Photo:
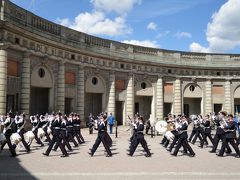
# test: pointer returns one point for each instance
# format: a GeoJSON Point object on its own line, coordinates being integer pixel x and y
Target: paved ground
{"type": "Point", "coordinates": [79, 165]}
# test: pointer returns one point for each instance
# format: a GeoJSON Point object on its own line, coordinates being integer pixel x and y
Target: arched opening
{"type": "Point", "coordinates": [94, 97]}
{"type": "Point", "coordinates": [192, 99]}
{"type": "Point", "coordinates": [237, 100]}
{"type": "Point", "coordinates": [144, 99]}
{"type": "Point", "coordinates": [41, 95]}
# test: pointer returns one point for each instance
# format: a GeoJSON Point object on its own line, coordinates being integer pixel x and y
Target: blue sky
{"type": "Point", "coordinates": [186, 25]}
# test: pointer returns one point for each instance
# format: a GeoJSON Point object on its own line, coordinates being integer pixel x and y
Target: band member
{"type": "Point", "coordinates": [170, 119]}
{"type": "Point", "coordinates": [44, 123]}
{"type": "Point", "coordinates": [20, 122]}
{"type": "Point", "coordinates": [35, 123]}
{"type": "Point", "coordinates": [108, 139]}
{"type": "Point", "coordinates": [7, 131]}
{"type": "Point", "coordinates": [139, 138]}
{"type": "Point", "coordinates": [101, 138]}
{"type": "Point", "coordinates": [90, 123]}
{"type": "Point", "coordinates": [63, 135]}
{"type": "Point", "coordinates": [230, 136]}
{"type": "Point", "coordinates": [207, 131]}
{"type": "Point", "coordinates": [182, 141]}
{"type": "Point", "coordinates": [56, 128]}
{"type": "Point", "coordinates": [219, 132]}
{"type": "Point", "coordinates": [199, 129]}
{"type": "Point", "coordinates": [70, 131]}
{"type": "Point", "coordinates": [77, 128]}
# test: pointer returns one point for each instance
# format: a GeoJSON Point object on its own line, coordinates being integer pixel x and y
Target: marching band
{"type": "Point", "coordinates": [61, 130]}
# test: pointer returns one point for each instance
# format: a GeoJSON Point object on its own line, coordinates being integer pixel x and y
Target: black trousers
{"type": "Point", "coordinates": [192, 135]}
{"type": "Point", "coordinates": [46, 134]}
{"type": "Point", "coordinates": [101, 138]}
{"type": "Point", "coordinates": [63, 140]}
{"type": "Point", "coordinates": [10, 145]}
{"type": "Point", "coordinates": [108, 139]}
{"type": "Point", "coordinates": [183, 142]}
{"type": "Point", "coordinates": [70, 138]}
{"type": "Point", "coordinates": [54, 140]}
{"type": "Point", "coordinates": [35, 132]}
{"type": "Point", "coordinates": [197, 135]}
{"type": "Point", "coordinates": [216, 140]}
{"type": "Point", "coordinates": [225, 144]}
{"type": "Point", "coordinates": [139, 138]}
{"type": "Point", "coordinates": [25, 144]}
{"type": "Point", "coordinates": [173, 143]}
{"type": "Point", "coordinates": [205, 136]}
{"type": "Point", "coordinates": [78, 135]}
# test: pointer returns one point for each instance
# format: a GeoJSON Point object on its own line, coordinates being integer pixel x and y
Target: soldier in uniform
{"type": "Point", "coordinates": [182, 141]}
{"type": "Point", "coordinates": [77, 128]}
{"type": "Point", "coordinates": [63, 135]}
{"type": "Point", "coordinates": [35, 120]}
{"type": "Point", "coordinates": [56, 128]}
{"type": "Point", "coordinates": [8, 132]}
{"type": "Point", "coordinates": [206, 131]}
{"type": "Point", "coordinates": [101, 138]}
{"type": "Point", "coordinates": [90, 123]}
{"type": "Point", "coordinates": [230, 136]}
{"type": "Point", "coordinates": [219, 133]}
{"type": "Point", "coordinates": [20, 122]}
{"type": "Point", "coordinates": [139, 138]}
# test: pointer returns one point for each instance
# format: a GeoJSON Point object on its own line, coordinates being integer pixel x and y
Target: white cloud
{"type": "Point", "coordinates": [63, 22]}
{"type": "Point", "coordinates": [96, 23]}
{"type": "Point", "coordinates": [180, 35]}
{"type": "Point", "coordinates": [120, 7]}
{"type": "Point", "coordinates": [146, 43]}
{"type": "Point", "coordinates": [223, 32]}
{"type": "Point", "coordinates": [195, 47]}
{"type": "Point", "coordinates": [152, 26]}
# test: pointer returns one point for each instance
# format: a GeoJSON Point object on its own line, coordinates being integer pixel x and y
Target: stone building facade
{"type": "Point", "coordinates": [46, 67]}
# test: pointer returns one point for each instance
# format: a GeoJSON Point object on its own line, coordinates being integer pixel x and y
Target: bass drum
{"type": "Point", "coordinates": [15, 138]}
{"type": "Point", "coordinates": [161, 127]}
{"type": "Point", "coordinates": [40, 133]}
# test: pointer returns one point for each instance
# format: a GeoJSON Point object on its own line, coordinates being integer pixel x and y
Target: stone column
{"type": "Point", "coordinates": [129, 102]}
{"type": "Point", "coordinates": [111, 97]}
{"type": "Point", "coordinates": [3, 80]}
{"type": "Point", "coordinates": [61, 87]}
{"type": "Point", "coordinates": [228, 97]}
{"type": "Point", "coordinates": [25, 84]}
{"type": "Point", "coordinates": [177, 97]}
{"type": "Point", "coordinates": [80, 92]}
{"type": "Point", "coordinates": [159, 98]}
{"type": "Point", "coordinates": [208, 97]}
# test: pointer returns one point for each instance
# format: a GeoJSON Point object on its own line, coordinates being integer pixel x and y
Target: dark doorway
{"type": "Point", "coordinates": [192, 106]}
{"type": "Point", "coordinates": [68, 106]}
{"type": "Point", "coordinates": [39, 100]}
{"type": "Point", "coordinates": [93, 104]}
{"type": "Point", "coordinates": [136, 108]}
{"type": "Point", "coordinates": [10, 103]}
{"type": "Point", "coordinates": [236, 105]}
{"type": "Point", "coordinates": [186, 109]}
{"type": "Point", "coordinates": [217, 108]}
{"type": "Point", "coordinates": [119, 112]}
{"type": "Point", "coordinates": [167, 109]}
